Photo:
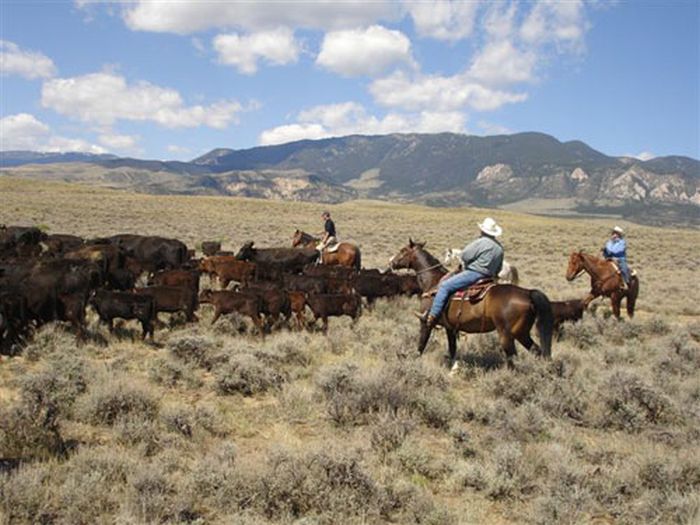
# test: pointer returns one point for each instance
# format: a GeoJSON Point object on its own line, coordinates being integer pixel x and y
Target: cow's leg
{"type": "Point", "coordinates": [110, 324]}
{"type": "Point", "coordinates": [260, 324]}
{"type": "Point", "coordinates": [217, 314]}
{"type": "Point", "coordinates": [325, 324]}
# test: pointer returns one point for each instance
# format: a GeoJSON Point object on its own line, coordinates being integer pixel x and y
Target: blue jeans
{"type": "Point", "coordinates": [624, 269]}
{"type": "Point", "coordinates": [450, 286]}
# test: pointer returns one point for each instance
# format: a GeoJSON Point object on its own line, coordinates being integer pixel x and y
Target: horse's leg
{"type": "Point", "coordinates": [452, 347]}
{"type": "Point", "coordinates": [615, 300]}
{"type": "Point", "coordinates": [508, 344]}
{"type": "Point", "coordinates": [587, 300]}
{"type": "Point", "coordinates": [524, 338]}
{"type": "Point", "coordinates": [425, 332]}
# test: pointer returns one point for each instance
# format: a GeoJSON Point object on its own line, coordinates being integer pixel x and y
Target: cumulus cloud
{"type": "Point", "coordinates": [104, 98]}
{"type": "Point", "coordinates": [25, 132]}
{"type": "Point", "coordinates": [500, 62]}
{"type": "Point", "coordinates": [27, 64]}
{"type": "Point", "coordinates": [561, 23]}
{"type": "Point", "coordinates": [276, 47]}
{"type": "Point", "coordinates": [443, 19]}
{"type": "Point", "coordinates": [188, 16]}
{"type": "Point", "coordinates": [439, 93]}
{"type": "Point", "coordinates": [364, 51]}
{"type": "Point", "coordinates": [122, 143]}
{"type": "Point", "coordinates": [351, 118]}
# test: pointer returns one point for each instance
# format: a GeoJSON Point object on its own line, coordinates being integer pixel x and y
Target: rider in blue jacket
{"type": "Point", "coordinates": [615, 249]}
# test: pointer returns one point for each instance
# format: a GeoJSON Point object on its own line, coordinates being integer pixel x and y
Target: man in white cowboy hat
{"type": "Point", "coordinates": [616, 249]}
{"type": "Point", "coordinates": [480, 258]}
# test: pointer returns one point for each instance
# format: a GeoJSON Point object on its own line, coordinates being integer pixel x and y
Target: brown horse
{"type": "Point", "coordinates": [346, 254]}
{"type": "Point", "coordinates": [507, 308]}
{"type": "Point", "coordinates": [605, 281]}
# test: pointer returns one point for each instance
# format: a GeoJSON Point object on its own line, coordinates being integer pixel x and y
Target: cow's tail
{"type": "Point", "coordinates": [545, 321]}
{"type": "Point", "coordinates": [358, 260]}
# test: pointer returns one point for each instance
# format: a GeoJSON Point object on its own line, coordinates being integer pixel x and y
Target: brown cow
{"type": "Point", "coordinates": [227, 268]}
{"type": "Point", "coordinates": [297, 304]}
{"type": "Point", "coordinates": [571, 310]}
{"type": "Point", "coordinates": [125, 305]}
{"type": "Point", "coordinates": [182, 278]}
{"type": "Point", "coordinates": [172, 299]}
{"type": "Point", "coordinates": [226, 302]}
{"type": "Point", "coordinates": [211, 247]}
{"type": "Point", "coordinates": [324, 306]}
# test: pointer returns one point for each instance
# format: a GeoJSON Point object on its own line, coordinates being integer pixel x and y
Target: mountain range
{"type": "Point", "coordinates": [521, 171]}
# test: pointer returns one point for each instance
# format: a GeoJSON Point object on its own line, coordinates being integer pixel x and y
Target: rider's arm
{"type": "Point", "coordinates": [615, 248]}
{"type": "Point", "coordinates": [470, 252]}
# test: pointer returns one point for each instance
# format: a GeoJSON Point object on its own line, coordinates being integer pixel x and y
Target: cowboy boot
{"type": "Point", "coordinates": [427, 319]}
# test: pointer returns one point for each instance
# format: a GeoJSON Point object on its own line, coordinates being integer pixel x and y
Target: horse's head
{"type": "Point", "coordinates": [575, 266]}
{"type": "Point", "coordinates": [246, 252]}
{"type": "Point", "coordinates": [406, 256]}
{"type": "Point", "coordinates": [297, 238]}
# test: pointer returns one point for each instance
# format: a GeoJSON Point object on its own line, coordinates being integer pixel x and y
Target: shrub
{"type": "Point", "coordinates": [629, 403]}
{"type": "Point", "coordinates": [110, 399]}
{"type": "Point", "coordinates": [245, 374]}
{"type": "Point", "coordinates": [389, 433]}
{"type": "Point", "coordinates": [50, 339]}
{"type": "Point", "coordinates": [196, 350]}
{"type": "Point", "coordinates": [26, 496]}
{"type": "Point", "coordinates": [171, 373]}
{"type": "Point", "coordinates": [56, 385]}
{"type": "Point", "coordinates": [30, 432]}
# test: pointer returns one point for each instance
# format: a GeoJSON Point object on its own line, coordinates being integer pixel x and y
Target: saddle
{"type": "Point", "coordinates": [473, 293]}
{"type": "Point", "coordinates": [331, 248]}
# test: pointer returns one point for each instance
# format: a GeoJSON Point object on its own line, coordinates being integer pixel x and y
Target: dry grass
{"type": "Point", "coordinates": [213, 425]}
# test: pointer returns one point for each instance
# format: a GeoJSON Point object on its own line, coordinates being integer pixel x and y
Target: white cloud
{"type": "Point", "coordinates": [501, 63]}
{"type": "Point", "coordinates": [499, 21]}
{"type": "Point", "coordinates": [439, 93]}
{"type": "Point", "coordinates": [27, 64]}
{"type": "Point", "coordinates": [124, 143]}
{"type": "Point", "coordinates": [25, 132]}
{"type": "Point", "coordinates": [644, 155]}
{"type": "Point", "coordinates": [180, 150]}
{"type": "Point", "coordinates": [561, 23]}
{"type": "Point", "coordinates": [351, 118]}
{"type": "Point", "coordinates": [364, 51]}
{"type": "Point", "coordinates": [277, 47]}
{"type": "Point", "coordinates": [187, 16]}
{"type": "Point", "coordinates": [449, 20]}
{"type": "Point", "coordinates": [104, 98]}
{"type": "Point", "coordinates": [490, 128]}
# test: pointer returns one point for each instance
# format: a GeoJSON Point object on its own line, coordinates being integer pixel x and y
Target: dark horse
{"type": "Point", "coordinates": [507, 308]}
{"type": "Point", "coordinates": [346, 254]}
{"type": "Point", "coordinates": [605, 280]}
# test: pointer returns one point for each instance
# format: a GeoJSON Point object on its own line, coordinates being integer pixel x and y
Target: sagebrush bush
{"type": "Point", "coordinates": [110, 398]}
{"type": "Point", "coordinates": [28, 495]}
{"type": "Point", "coordinates": [170, 373]}
{"type": "Point", "coordinates": [389, 433]}
{"type": "Point", "coordinates": [56, 384]}
{"type": "Point", "coordinates": [247, 375]}
{"type": "Point", "coordinates": [630, 403]}
{"type": "Point", "coordinates": [30, 432]}
{"type": "Point", "coordinates": [50, 339]}
{"type": "Point", "coordinates": [196, 349]}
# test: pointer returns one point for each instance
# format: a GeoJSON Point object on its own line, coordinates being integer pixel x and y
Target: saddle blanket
{"type": "Point", "coordinates": [473, 293]}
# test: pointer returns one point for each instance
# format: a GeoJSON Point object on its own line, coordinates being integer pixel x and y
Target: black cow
{"type": "Point", "coordinates": [290, 260]}
{"type": "Point", "coordinates": [154, 253]}
{"type": "Point", "coordinates": [125, 305]}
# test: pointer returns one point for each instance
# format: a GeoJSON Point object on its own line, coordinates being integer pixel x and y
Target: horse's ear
{"type": "Point", "coordinates": [411, 243]}
{"type": "Point", "coordinates": [421, 244]}
{"type": "Point", "coordinates": [296, 232]}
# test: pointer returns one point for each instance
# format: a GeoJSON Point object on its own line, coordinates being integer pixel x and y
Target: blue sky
{"type": "Point", "coordinates": [173, 80]}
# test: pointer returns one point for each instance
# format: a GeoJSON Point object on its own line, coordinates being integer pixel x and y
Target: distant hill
{"type": "Point", "coordinates": [444, 169]}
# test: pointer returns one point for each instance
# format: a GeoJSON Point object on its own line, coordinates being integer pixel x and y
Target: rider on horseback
{"type": "Point", "coordinates": [328, 237]}
{"type": "Point", "coordinates": [480, 259]}
{"type": "Point", "coordinates": [615, 249]}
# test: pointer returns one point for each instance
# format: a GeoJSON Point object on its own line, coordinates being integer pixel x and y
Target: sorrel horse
{"type": "Point", "coordinates": [606, 281]}
{"type": "Point", "coordinates": [509, 309]}
{"type": "Point", "coordinates": [345, 255]}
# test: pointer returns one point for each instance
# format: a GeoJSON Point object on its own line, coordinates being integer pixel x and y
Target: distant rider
{"type": "Point", "coordinates": [328, 237]}
{"type": "Point", "coordinates": [480, 258]}
{"type": "Point", "coordinates": [616, 249]}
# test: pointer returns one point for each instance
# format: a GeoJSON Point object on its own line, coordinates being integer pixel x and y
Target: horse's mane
{"type": "Point", "coordinates": [430, 258]}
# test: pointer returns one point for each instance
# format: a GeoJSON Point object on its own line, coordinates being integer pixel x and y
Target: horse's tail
{"type": "Point", "coordinates": [632, 293]}
{"type": "Point", "coordinates": [514, 275]}
{"type": "Point", "coordinates": [545, 321]}
{"type": "Point", "coordinates": [357, 263]}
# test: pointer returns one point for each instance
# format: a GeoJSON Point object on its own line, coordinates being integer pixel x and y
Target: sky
{"type": "Point", "coordinates": [174, 79]}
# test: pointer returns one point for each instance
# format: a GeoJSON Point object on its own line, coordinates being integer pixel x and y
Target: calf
{"type": "Point", "coordinates": [324, 306]}
{"type": "Point", "coordinates": [273, 300]}
{"type": "Point", "coordinates": [297, 305]}
{"type": "Point", "coordinates": [181, 278]}
{"type": "Point", "coordinates": [571, 310]}
{"type": "Point", "coordinates": [226, 302]}
{"type": "Point", "coordinates": [171, 299]}
{"type": "Point", "coordinates": [304, 283]}
{"type": "Point", "coordinates": [227, 268]}
{"type": "Point", "coordinates": [211, 248]}
{"type": "Point", "coordinates": [372, 284]}
{"type": "Point", "coordinates": [125, 305]}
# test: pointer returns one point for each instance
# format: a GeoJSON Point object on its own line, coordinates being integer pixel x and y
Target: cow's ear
{"type": "Point", "coordinates": [410, 242]}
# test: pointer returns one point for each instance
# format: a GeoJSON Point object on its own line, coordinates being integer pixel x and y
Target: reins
{"type": "Point", "coordinates": [439, 265]}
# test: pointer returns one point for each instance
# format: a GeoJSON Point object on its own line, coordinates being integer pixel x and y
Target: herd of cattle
{"type": "Point", "coordinates": [45, 278]}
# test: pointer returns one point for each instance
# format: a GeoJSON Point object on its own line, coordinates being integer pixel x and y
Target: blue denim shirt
{"type": "Point", "coordinates": [615, 248]}
{"type": "Point", "coordinates": [484, 255]}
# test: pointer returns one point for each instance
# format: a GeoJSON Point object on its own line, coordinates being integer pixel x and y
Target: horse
{"type": "Point", "coordinates": [508, 274]}
{"type": "Point", "coordinates": [606, 281]}
{"type": "Point", "coordinates": [346, 254]}
{"type": "Point", "coordinates": [506, 308]}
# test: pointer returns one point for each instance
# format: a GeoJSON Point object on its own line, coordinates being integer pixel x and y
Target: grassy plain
{"type": "Point", "coordinates": [212, 425]}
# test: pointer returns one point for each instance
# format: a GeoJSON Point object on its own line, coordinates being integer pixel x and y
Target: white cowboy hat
{"type": "Point", "coordinates": [618, 230]}
{"type": "Point", "coordinates": [489, 227]}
